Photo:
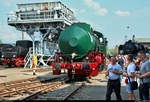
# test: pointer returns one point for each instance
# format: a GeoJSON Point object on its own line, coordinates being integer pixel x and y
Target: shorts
{"type": "Point", "coordinates": [128, 88]}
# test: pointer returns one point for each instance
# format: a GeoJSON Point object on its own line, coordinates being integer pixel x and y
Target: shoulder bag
{"type": "Point", "coordinates": [134, 84]}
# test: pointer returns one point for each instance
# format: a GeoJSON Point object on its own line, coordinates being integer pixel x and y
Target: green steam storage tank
{"type": "Point", "coordinates": [80, 38]}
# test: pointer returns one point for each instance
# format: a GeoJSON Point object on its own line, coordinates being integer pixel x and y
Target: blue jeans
{"type": "Point", "coordinates": [128, 88]}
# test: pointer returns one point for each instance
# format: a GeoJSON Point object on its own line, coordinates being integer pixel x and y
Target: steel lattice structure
{"type": "Point", "coordinates": [43, 22]}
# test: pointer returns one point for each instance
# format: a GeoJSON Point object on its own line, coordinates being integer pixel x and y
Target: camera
{"type": "Point", "coordinates": [137, 68]}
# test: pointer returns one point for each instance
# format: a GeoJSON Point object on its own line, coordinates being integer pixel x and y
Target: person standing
{"type": "Point", "coordinates": [144, 76]}
{"type": "Point", "coordinates": [108, 63]}
{"type": "Point", "coordinates": [34, 63]}
{"type": "Point", "coordinates": [114, 72]}
{"type": "Point", "coordinates": [108, 60]}
{"type": "Point", "coordinates": [130, 76]}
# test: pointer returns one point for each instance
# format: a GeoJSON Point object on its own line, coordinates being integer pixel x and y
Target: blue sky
{"type": "Point", "coordinates": [111, 17]}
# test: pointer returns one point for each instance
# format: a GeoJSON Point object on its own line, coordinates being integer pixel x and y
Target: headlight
{"type": "Point", "coordinates": [14, 55]}
{"type": "Point", "coordinates": [2, 56]}
{"type": "Point", "coordinates": [61, 58]}
{"type": "Point", "coordinates": [87, 58]}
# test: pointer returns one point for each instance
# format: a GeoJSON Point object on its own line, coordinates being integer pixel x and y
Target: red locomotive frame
{"type": "Point", "coordinates": [94, 60]}
{"type": "Point", "coordinates": [18, 62]}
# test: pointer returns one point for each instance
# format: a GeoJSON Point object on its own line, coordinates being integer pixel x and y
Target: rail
{"type": "Point", "coordinates": [73, 92]}
{"type": "Point", "coordinates": [29, 86]}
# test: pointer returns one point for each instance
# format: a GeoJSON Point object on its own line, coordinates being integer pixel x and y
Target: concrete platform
{"type": "Point", "coordinates": [11, 74]}
{"type": "Point", "coordinates": [93, 91]}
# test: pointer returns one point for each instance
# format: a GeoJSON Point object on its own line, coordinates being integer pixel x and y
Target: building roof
{"type": "Point", "coordinates": [142, 40]}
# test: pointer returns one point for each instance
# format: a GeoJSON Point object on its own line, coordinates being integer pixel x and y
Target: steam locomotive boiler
{"type": "Point", "coordinates": [82, 51]}
{"type": "Point", "coordinates": [14, 55]}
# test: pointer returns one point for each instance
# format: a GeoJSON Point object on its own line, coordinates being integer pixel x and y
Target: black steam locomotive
{"type": "Point", "coordinates": [14, 55]}
{"type": "Point", "coordinates": [1, 53]}
{"type": "Point", "coordinates": [131, 47]}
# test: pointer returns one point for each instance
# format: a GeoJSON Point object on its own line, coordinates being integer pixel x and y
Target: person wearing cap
{"type": "Point", "coordinates": [144, 76]}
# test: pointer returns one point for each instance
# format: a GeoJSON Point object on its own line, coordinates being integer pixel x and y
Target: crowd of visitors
{"type": "Point", "coordinates": [132, 68]}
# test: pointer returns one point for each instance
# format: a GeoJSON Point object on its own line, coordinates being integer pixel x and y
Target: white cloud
{"type": "Point", "coordinates": [122, 13]}
{"type": "Point", "coordinates": [102, 11]}
{"type": "Point", "coordinates": [78, 11]}
{"type": "Point", "coordinates": [96, 7]}
{"type": "Point", "coordinates": [92, 4]}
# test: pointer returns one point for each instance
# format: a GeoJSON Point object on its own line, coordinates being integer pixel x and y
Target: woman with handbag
{"type": "Point", "coordinates": [130, 74]}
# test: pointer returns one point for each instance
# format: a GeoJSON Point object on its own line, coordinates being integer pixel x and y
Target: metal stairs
{"type": "Point", "coordinates": [28, 58]}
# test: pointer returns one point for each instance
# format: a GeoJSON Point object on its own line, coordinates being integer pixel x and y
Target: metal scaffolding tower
{"type": "Point", "coordinates": [43, 22]}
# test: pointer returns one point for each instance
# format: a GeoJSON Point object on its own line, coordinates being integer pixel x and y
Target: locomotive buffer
{"type": "Point", "coordinates": [43, 22]}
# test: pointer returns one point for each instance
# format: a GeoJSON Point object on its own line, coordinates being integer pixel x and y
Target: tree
{"type": "Point", "coordinates": [111, 52]}
{"type": "Point", "coordinates": [1, 41]}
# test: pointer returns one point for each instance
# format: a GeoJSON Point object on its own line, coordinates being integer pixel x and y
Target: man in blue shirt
{"type": "Point", "coordinates": [114, 71]}
{"type": "Point", "coordinates": [144, 77]}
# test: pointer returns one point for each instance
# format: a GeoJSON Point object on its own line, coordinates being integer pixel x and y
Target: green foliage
{"type": "Point", "coordinates": [0, 41]}
{"type": "Point", "coordinates": [111, 52]}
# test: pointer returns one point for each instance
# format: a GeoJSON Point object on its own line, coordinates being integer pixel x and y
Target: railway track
{"type": "Point", "coordinates": [27, 88]}
{"type": "Point", "coordinates": [63, 93]}
{"type": "Point", "coordinates": [48, 88]}
{"type": "Point", "coordinates": [73, 92]}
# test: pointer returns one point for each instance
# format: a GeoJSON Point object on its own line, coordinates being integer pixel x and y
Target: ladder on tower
{"type": "Point", "coordinates": [28, 58]}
